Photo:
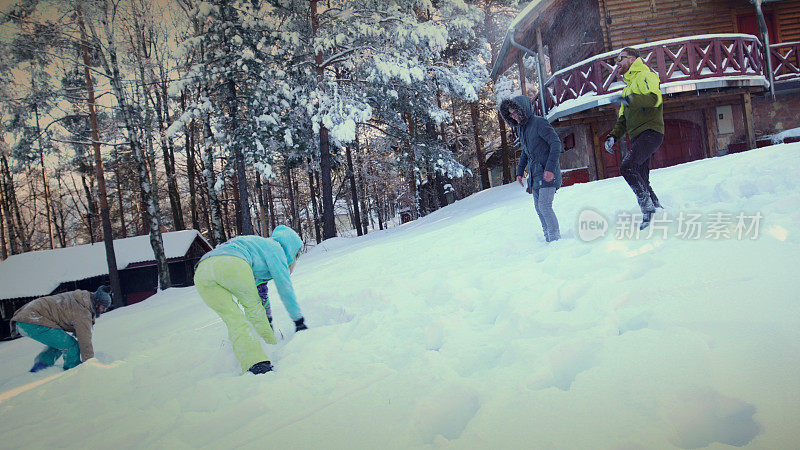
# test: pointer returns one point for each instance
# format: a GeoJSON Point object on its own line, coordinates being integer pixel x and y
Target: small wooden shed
{"type": "Point", "coordinates": [27, 276]}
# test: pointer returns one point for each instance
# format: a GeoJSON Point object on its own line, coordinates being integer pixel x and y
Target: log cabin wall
{"type": "Point", "coordinates": [572, 33]}
{"type": "Point", "coordinates": [787, 14]}
{"type": "Point", "coordinates": [639, 21]}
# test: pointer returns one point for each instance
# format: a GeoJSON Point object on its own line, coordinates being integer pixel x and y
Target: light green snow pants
{"type": "Point", "coordinates": [218, 279]}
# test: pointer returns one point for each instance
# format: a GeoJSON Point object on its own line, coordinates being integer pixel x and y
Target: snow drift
{"type": "Point", "coordinates": [464, 329]}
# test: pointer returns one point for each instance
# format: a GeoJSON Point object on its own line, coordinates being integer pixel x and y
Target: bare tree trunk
{"type": "Point", "coordinates": [379, 205]}
{"type": "Point", "coordinates": [90, 207]}
{"type": "Point", "coordinates": [3, 242]}
{"type": "Point", "coordinates": [111, 66]}
{"type": "Point", "coordinates": [442, 130]}
{"type": "Point", "coordinates": [108, 238]}
{"type": "Point", "coordinates": [298, 200]}
{"type": "Point", "coordinates": [17, 228]}
{"type": "Point", "coordinates": [61, 231]}
{"type": "Point", "coordinates": [169, 160]}
{"type": "Point", "coordinates": [226, 215]}
{"type": "Point", "coordinates": [363, 193]}
{"type": "Point", "coordinates": [243, 204]}
{"type": "Point", "coordinates": [237, 213]}
{"type": "Point", "coordinates": [7, 185]}
{"type": "Point", "coordinates": [292, 203]}
{"type": "Point", "coordinates": [190, 165]}
{"type": "Point", "coordinates": [118, 176]}
{"type": "Point", "coordinates": [314, 206]}
{"type": "Point", "coordinates": [484, 172]}
{"type": "Point", "coordinates": [44, 176]}
{"type": "Point", "coordinates": [504, 150]}
{"type": "Point", "coordinates": [329, 225]}
{"type": "Point", "coordinates": [271, 203]}
{"type": "Point", "coordinates": [214, 210]}
{"type": "Point", "coordinates": [412, 175]}
{"type": "Point", "coordinates": [262, 206]}
{"type": "Point", "coordinates": [353, 192]}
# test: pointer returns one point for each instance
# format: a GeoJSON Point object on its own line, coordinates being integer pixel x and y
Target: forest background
{"type": "Point", "coordinates": [132, 117]}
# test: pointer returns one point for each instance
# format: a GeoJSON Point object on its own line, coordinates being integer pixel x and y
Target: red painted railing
{"type": "Point", "coordinates": [675, 60]}
{"type": "Point", "coordinates": [785, 61]}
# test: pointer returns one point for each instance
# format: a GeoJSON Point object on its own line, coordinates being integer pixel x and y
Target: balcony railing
{"type": "Point", "coordinates": [690, 63]}
{"type": "Point", "coordinates": [785, 61]}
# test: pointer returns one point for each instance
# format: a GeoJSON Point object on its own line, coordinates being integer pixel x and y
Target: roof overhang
{"type": "Point", "coordinates": [517, 32]}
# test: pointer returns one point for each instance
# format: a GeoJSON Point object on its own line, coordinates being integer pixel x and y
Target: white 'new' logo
{"type": "Point", "coordinates": [591, 225]}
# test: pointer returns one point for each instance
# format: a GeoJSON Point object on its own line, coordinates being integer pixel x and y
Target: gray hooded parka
{"type": "Point", "coordinates": [541, 146]}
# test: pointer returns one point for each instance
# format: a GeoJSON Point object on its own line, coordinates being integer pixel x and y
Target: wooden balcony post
{"type": "Point", "coordinates": [597, 78]}
{"type": "Point", "coordinates": [522, 86]}
{"type": "Point", "coordinates": [750, 134]}
{"type": "Point", "coordinates": [598, 155]}
{"type": "Point", "coordinates": [661, 64]}
{"type": "Point", "coordinates": [710, 117]}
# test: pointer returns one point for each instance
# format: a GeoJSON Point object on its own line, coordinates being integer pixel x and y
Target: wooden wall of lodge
{"type": "Point", "coordinates": [640, 21]}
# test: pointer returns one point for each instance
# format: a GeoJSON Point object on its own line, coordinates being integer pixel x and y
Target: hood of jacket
{"type": "Point", "coordinates": [640, 80]}
{"type": "Point", "coordinates": [289, 240]}
{"type": "Point", "coordinates": [521, 103]}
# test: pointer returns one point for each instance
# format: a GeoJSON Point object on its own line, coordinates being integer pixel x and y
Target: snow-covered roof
{"type": "Point", "coordinates": [528, 14]}
{"type": "Point", "coordinates": [39, 273]}
{"type": "Point", "coordinates": [527, 11]}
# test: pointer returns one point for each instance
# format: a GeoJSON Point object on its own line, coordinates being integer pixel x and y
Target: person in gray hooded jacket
{"type": "Point", "coordinates": [541, 149]}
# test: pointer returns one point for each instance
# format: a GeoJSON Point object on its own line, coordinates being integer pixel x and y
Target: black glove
{"type": "Point", "coordinates": [299, 324]}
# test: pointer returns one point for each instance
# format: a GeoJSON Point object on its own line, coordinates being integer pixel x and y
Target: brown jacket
{"type": "Point", "coordinates": [70, 311]}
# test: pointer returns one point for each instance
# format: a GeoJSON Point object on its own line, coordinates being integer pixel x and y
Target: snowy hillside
{"type": "Point", "coordinates": [464, 329]}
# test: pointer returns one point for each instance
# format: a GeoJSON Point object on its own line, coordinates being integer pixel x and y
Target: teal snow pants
{"type": "Point", "coordinates": [218, 279]}
{"type": "Point", "coordinates": [58, 342]}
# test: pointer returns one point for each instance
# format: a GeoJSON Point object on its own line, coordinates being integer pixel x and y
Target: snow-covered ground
{"type": "Point", "coordinates": [464, 329]}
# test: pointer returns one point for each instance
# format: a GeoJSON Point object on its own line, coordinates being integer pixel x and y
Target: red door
{"type": "Point", "coordinates": [683, 142]}
{"type": "Point", "coordinates": [748, 24]}
{"type": "Point", "coordinates": [136, 297]}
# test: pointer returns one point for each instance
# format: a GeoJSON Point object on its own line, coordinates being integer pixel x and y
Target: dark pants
{"type": "Point", "coordinates": [635, 167]}
{"type": "Point", "coordinates": [263, 292]}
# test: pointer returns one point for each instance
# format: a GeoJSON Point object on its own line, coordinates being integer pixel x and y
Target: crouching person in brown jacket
{"type": "Point", "coordinates": [48, 319]}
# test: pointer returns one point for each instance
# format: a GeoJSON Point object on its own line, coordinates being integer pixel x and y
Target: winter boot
{"type": "Point", "coordinates": [261, 367]}
{"type": "Point", "coordinates": [648, 208]}
{"type": "Point", "coordinates": [37, 366]}
{"type": "Point", "coordinates": [646, 218]}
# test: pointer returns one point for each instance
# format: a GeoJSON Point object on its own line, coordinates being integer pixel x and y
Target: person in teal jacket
{"type": "Point", "coordinates": [226, 277]}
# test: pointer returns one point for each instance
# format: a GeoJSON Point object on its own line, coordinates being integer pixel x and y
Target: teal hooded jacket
{"type": "Point", "coordinates": [270, 259]}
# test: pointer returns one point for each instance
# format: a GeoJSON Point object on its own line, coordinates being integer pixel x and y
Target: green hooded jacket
{"type": "Point", "coordinates": [645, 110]}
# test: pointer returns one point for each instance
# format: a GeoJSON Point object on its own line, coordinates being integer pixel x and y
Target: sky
{"type": "Point", "coordinates": [464, 329]}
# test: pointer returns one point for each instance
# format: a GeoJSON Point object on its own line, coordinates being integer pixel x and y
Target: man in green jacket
{"type": "Point", "coordinates": [641, 115]}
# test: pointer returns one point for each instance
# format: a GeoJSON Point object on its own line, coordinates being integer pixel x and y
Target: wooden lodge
{"type": "Point", "coordinates": [721, 92]}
